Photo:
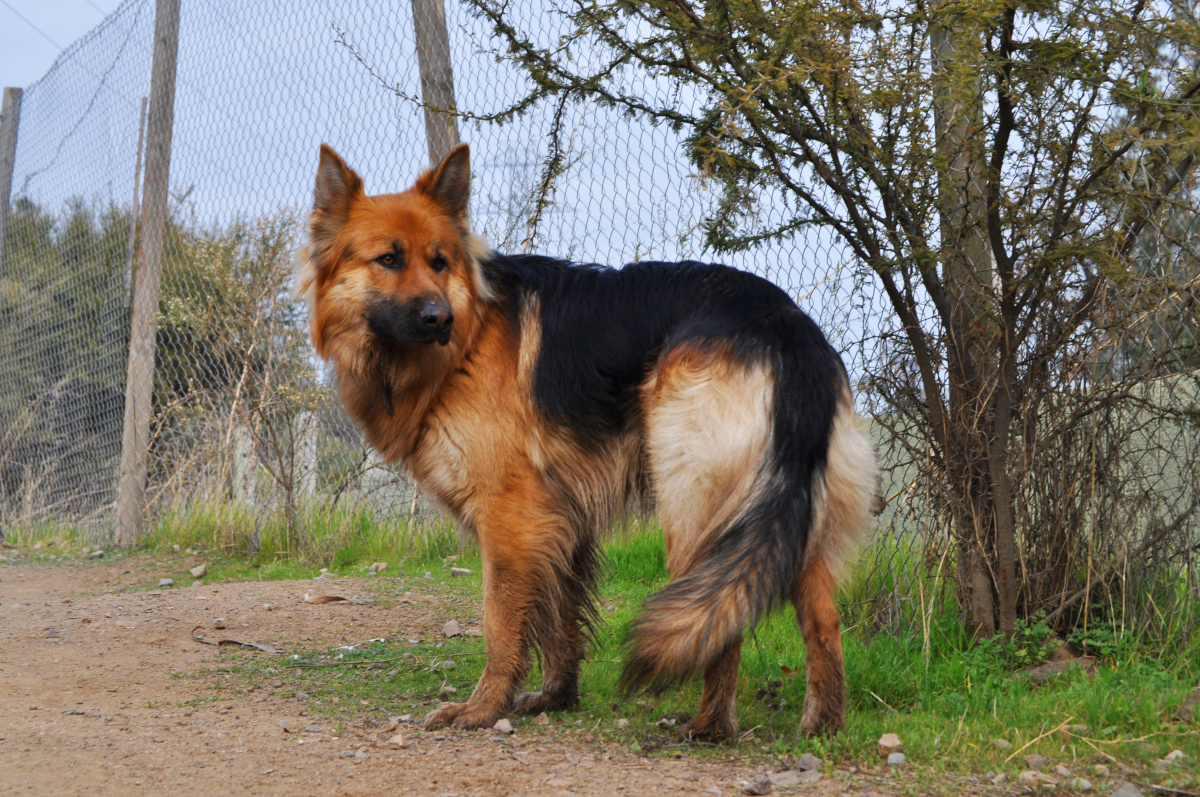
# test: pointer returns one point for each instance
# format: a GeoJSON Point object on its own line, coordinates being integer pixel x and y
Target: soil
{"type": "Point", "coordinates": [97, 688]}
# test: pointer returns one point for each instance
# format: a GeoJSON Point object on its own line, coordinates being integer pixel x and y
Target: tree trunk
{"type": "Point", "coordinates": [976, 434]}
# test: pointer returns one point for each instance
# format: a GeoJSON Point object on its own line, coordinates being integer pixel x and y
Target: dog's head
{"type": "Point", "coordinates": [394, 271]}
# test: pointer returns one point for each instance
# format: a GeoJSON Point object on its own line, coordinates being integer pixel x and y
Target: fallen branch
{"type": "Point", "coordinates": [1038, 739]}
{"type": "Point", "coordinates": [238, 642]}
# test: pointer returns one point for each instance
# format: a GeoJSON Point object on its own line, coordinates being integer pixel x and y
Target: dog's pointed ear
{"type": "Point", "coordinates": [338, 186]}
{"type": "Point", "coordinates": [449, 183]}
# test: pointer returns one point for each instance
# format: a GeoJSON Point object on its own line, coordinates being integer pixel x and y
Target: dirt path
{"type": "Point", "coordinates": [95, 684]}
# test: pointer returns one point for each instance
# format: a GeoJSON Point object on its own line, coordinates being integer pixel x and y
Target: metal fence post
{"type": "Point", "coordinates": [139, 384]}
{"type": "Point", "coordinates": [437, 77]}
{"type": "Point", "coordinates": [10, 117]}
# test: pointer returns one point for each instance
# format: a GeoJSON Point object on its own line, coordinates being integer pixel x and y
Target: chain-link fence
{"type": "Point", "coordinates": [242, 430]}
{"type": "Point", "coordinates": [238, 430]}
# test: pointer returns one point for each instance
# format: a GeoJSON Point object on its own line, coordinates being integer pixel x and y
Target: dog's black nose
{"type": "Point", "coordinates": [436, 316]}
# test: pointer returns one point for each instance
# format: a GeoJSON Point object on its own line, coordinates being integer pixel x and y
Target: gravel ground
{"type": "Point", "coordinates": [92, 701]}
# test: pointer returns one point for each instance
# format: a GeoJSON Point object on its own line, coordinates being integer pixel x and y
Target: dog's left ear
{"type": "Point", "coordinates": [449, 183]}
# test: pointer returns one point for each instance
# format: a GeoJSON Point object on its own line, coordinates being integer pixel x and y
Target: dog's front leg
{"type": "Point", "coordinates": [519, 548]}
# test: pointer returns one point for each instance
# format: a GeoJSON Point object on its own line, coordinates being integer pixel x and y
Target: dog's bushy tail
{"type": "Point", "coordinates": [812, 503]}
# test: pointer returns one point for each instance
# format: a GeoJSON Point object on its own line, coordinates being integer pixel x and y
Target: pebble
{"type": "Point", "coordinates": [889, 743]}
{"type": "Point", "coordinates": [393, 673]}
{"type": "Point", "coordinates": [348, 754]}
{"type": "Point", "coordinates": [219, 622]}
{"type": "Point", "coordinates": [1174, 755]}
{"type": "Point", "coordinates": [405, 718]}
{"type": "Point", "coordinates": [1037, 762]}
{"type": "Point", "coordinates": [1079, 784]}
{"type": "Point", "coordinates": [809, 763]}
{"type": "Point", "coordinates": [166, 582]}
{"type": "Point", "coordinates": [312, 729]}
{"type": "Point", "coordinates": [377, 568]}
{"type": "Point", "coordinates": [1002, 744]}
{"type": "Point", "coordinates": [896, 759]}
{"type": "Point", "coordinates": [474, 632]}
{"type": "Point", "coordinates": [761, 785]}
{"type": "Point", "coordinates": [1063, 772]}
{"type": "Point", "coordinates": [448, 664]}
{"type": "Point", "coordinates": [504, 726]}
{"type": "Point", "coordinates": [792, 777]}
{"type": "Point", "coordinates": [452, 629]}
{"type": "Point", "coordinates": [302, 696]}
{"type": "Point", "coordinates": [428, 575]}
{"type": "Point", "coordinates": [996, 781]}
{"type": "Point", "coordinates": [199, 571]}
{"type": "Point", "coordinates": [1100, 771]}
{"type": "Point", "coordinates": [1033, 779]}
{"type": "Point", "coordinates": [542, 719]}
{"type": "Point", "coordinates": [459, 571]}
{"type": "Point", "coordinates": [622, 723]}
{"type": "Point", "coordinates": [95, 554]}
{"type": "Point", "coordinates": [1127, 790]}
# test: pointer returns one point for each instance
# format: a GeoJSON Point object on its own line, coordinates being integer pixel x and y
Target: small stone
{"type": "Point", "coordinates": [199, 571]}
{"type": "Point", "coordinates": [288, 726]}
{"type": "Point", "coordinates": [452, 629]}
{"type": "Point", "coordinates": [166, 582]}
{"type": "Point", "coordinates": [889, 743]}
{"type": "Point", "coordinates": [542, 719]}
{"type": "Point", "coordinates": [474, 632]}
{"type": "Point", "coordinates": [1063, 772]}
{"type": "Point", "coordinates": [1127, 790]}
{"type": "Point", "coordinates": [175, 548]}
{"type": "Point", "coordinates": [809, 763]}
{"type": "Point", "coordinates": [197, 583]}
{"type": "Point", "coordinates": [428, 575]}
{"type": "Point", "coordinates": [405, 718]}
{"type": "Point", "coordinates": [622, 723]}
{"type": "Point", "coordinates": [219, 622]}
{"type": "Point", "coordinates": [378, 567]}
{"type": "Point", "coordinates": [459, 571]}
{"type": "Point", "coordinates": [761, 785]}
{"type": "Point", "coordinates": [504, 726]}
{"type": "Point", "coordinates": [1100, 771]}
{"type": "Point", "coordinates": [397, 740]}
{"type": "Point", "coordinates": [188, 551]}
{"type": "Point", "coordinates": [996, 781]}
{"type": "Point", "coordinates": [1174, 755]}
{"type": "Point", "coordinates": [302, 696]}
{"type": "Point", "coordinates": [449, 690]}
{"type": "Point", "coordinates": [96, 555]}
{"type": "Point", "coordinates": [794, 777]}
{"type": "Point", "coordinates": [1161, 765]}
{"type": "Point", "coordinates": [392, 673]}
{"type": "Point", "coordinates": [360, 755]}
{"type": "Point", "coordinates": [448, 664]}
{"type": "Point", "coordinates": [312, 729]}
{"type": "Point", "coordinates": [1037, 762]}
{"type": "Point", "coordinates": [1079, 784]}
{"type": "Point", "coordinates": [348, 754]}
{"type": "Point", "coordinates": [665, 722]}
{"type": "Point", "coordinates": [1002, 744]}
{"type": "Point", "coordinates": [896, 759]}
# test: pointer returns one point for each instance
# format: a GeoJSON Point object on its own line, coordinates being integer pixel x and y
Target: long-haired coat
{"type": "Point", "coordinates": [538, 400]}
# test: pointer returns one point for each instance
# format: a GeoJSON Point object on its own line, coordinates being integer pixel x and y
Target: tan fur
{"type": "Point", "coordinates": [708, 426]}
{"type": "Point", "coordinates": [846, 493]}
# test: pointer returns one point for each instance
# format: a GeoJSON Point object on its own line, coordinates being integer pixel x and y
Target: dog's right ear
{"type": "Point", "coordinates": [338, 186]}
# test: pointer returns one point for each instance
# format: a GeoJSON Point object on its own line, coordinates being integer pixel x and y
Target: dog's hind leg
{"type": "Point", "coordinates": [825, 697]}
{"type": "Point", "coordinates": [717, 718]}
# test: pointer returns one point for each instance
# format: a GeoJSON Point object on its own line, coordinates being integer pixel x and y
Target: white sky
{"type": "Point", "coordinates": [26, 54]}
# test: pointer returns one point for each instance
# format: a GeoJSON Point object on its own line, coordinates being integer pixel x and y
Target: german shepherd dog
{"type": "Point", "coordinates": [539, 401]}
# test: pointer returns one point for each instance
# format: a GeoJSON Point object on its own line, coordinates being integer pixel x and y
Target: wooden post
{"type": "Point", "coordinates": [10, 117]}
{"type": "Point", "coordinates": [139, 384]}
{"type": "Point", "coordinates": [135, 212]}
{"type": "Point", "coordinates": [437, 77]}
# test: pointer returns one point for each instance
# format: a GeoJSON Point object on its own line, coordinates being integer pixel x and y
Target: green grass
{"type": "Point", "coordinates": [946, 697]}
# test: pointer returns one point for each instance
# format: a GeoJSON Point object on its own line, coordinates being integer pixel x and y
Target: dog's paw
{"type": "Point", "coordinates": [820, 720]}
{"type": "Point", "coordinates": [537, 702]}
{"type": "Point", "coordinates": [700, 730]}
{"type": "Point", "coordinates": [444, 716]}
{"type": "Point", "coordinates": [463, 716]}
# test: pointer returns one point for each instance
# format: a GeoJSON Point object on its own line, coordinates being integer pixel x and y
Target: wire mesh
{"type": "Point", "coordinates": [244, 431]}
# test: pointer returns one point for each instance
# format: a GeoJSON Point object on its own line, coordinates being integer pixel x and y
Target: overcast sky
{"type": "Point", "coordinates": [34, 32]}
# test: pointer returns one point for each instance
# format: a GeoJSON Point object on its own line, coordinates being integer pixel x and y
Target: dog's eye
{"type": "Point", "coordinates": [387, 260]}
{"type": "Point", "coordinates": [438, 263]}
